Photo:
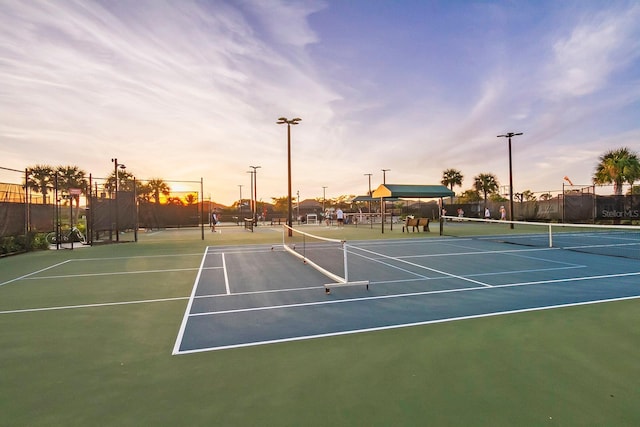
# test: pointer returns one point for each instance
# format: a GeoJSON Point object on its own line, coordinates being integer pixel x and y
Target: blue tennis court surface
{"type": "Point", "coordinates": [251, 295]}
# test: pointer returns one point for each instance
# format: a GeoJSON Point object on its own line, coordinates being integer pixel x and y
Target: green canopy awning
{"type": "Point", "coordinates": [371, 199]}
{"type": "Point", "coordinates": [411, 191]}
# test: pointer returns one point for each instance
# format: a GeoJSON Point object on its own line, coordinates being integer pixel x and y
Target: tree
{"type": "Point", "coordinates": [469, 196]}
{"type": "Point", "coordinates": [175, 201]}
{"type": "Point", "coordinates": [72, 177]}
{"type": "Point", "coordinates": [125, 181]}
{"type": "Point", "coordinates": [528, 196]}
{"type": "Point", "coordinates": [41, 180]}
{"type": "Point", "coordinates": [546, 196]}
{"type": "Point", "coordinates": [485, 183]}
{"type": "Point", "coordinates": [451, 177]}
{"type": "Point", "coordinates": [497, 197]}
{"type": "Point", "coordinates": [617, 167]}
{"type": "Point", "coordinates": [280, 204]}
{"type": "Point", "coordinates": [143, 192]}
{"type": "Point", "coordinates": [157, 186]}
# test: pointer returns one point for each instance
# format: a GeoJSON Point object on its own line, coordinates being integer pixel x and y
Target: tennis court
{"type": "Point", "coordinates": [261, 294]}
{"type": "Point", "coordinates": [88, 334]}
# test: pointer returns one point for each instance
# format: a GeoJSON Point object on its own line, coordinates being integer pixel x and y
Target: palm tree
{"type": "Point", "coordinates": [41, 180]}
{"type": "Point", "coordinates": [485, 183]}
{"type": "Point", "coordinates": [617, 167]}
{"type": "Point", "coordinates": [157, 187]}
{"type": "Point", "coordinates": [143, 192]}
{"type": "Point", "coordinates": [72, 177]}
{"type": "Point", "coordinates": [451, 177]}
{"type": "Point", "coordinates": [125, 181]}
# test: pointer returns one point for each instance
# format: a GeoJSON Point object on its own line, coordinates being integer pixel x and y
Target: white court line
{"type": "Point", "coordinates": [504, 251]}
{"type": "Point", "coordinates": [395, 267]}
{"type": "Point", "coordinates": [183, 325]}
{"type": "Point", "coordinates": [104, 304]}
{"type": "Point", "coordinates": [268, 291]}
{"type": "Point", "coordinates": [406, 325]}
{"type": "Point", "coordinates": [383, 282]}
{"type": "Point", "coordinates": [133, 257]}
{"type": "Point", "coordinates": [532, 270]}
{"type": "Point", "coordinates": [118, 273]}
{"type": "Point", "coordinates": [274, 248]}
{"type": "Point", "coordinates": [226, 275]}
{"type": "Point", "coordinates": [512, 252]}
{"type": "Point", "coordinates": [421, 293]}
{"type": "Point", "coordinates": [421, 266]}
{"type": "Point", "coordinates": [35, 272]}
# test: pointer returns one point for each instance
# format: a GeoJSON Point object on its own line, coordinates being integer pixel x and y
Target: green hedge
{"type": "Point", "coordinates": [18, 244]}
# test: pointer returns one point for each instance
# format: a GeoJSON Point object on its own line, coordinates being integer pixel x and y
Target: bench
{"type": "Point", "coordinates": [278, 221]}
{"type": "Point", "coordinates": [416, 223]}
{"type": "Point", "coordinates": [410, 222]}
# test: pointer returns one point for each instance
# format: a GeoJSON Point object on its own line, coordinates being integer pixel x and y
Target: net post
{"type": "Point", "coordinates": [550, 236]}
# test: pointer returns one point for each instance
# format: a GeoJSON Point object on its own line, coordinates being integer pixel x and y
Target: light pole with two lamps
{"type": "Point", "coordinates": [384, 175]}
{"type": "Point", "coordinates": [383, 204]}
{"type": "Point", "coordinates": [289, 123]}
{"type": "Point", "coordinates": [509, 135]}
{"type": "Point", "coordinates": [324, 197]}
{"type": "Point", "coordinates": [255, 194]}
{"type": "Point", "coordinates": [240, 218]}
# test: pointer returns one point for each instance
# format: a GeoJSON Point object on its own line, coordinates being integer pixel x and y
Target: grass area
{"type": "Point", "coordinates": [112, 365]}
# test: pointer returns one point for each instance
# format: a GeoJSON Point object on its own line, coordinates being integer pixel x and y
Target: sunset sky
{"type": "Point", "coordinates": [187, 89]}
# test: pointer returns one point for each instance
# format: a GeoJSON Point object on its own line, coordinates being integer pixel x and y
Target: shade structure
{"type": "Point", "coordinates": [411, 191]}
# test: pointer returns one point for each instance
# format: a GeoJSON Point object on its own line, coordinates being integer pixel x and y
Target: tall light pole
{"type": "Point", "coordinates": [240, 218]}
{"type": "Point", "coordinates": [251, 192]}
{"type": "Point", "coordinates": [369, 193]}
{"type": "Point", "coordinates": [369, 175]}
{"type": "Point", "coordinates": [324, 197]}
{"type": "Point", "coordinates": [383, 204]}
{"type": "Point", "coordinates": [255, 193]}
{"type": "Point", "coordinates": [509, 135]}
{"type": "Point", "coordinates": [289, 123]}
{"type": "Point", "coordinates": [117, 165]}
{"type": "Point", "coordinates": [384, 175]}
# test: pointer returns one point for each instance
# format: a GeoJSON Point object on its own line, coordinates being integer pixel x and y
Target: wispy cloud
{"type": "Point", "coordinates": [586, 59]}
{"type": "Point", "coordinates": [192, 89]}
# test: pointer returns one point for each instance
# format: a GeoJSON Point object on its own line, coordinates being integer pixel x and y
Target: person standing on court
{"type": "Point", "coordinates": [487, 213]}
{"type": "Point", "coordinates": [340, 217]}
{"type": "Point", "coordinates": [214, 221]}
{"type": "Point", "coordinates": [503, 213]}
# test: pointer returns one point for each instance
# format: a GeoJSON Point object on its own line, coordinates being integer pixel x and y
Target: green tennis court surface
{"type": "Point", "coordinates": [452, 331]}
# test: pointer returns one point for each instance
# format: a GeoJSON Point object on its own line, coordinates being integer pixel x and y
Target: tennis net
{"type": "Point", "coordinates": [610, 240]}
{"type": "Point", "coordinates": [328, 256]}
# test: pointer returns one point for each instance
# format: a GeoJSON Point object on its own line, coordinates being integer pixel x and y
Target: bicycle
{"type": "Point", "coordinates": [70, 235]}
